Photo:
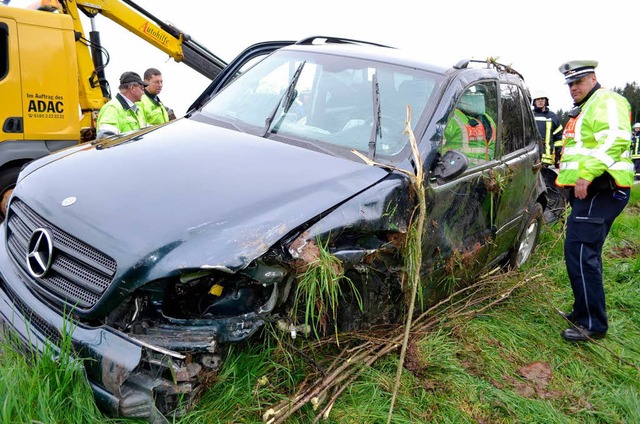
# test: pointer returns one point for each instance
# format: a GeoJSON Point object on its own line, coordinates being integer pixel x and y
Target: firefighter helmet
{"type": "Point", "coordinates": [636, 126]}
{"type": "Point", "coordinates": [539, 95]}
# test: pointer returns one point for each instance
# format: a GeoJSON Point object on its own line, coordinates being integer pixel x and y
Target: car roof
{"type": "Point", "coordinates": [371, 52]}
{"type": "Point", "coordinates": [476, 69]}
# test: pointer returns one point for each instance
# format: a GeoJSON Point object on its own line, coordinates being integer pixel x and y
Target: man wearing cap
{"type": "Point", "coordinates": [120, 114]}
{"type": "Point", "coordinates": [154, 111]}
{"type": "Point", "coordinates": [596, 167]}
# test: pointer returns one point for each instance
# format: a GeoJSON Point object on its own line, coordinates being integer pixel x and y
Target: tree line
{"type": "Point", "coordinates": [630, 91]}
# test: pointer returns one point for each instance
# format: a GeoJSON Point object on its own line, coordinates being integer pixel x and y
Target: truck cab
{"type": "Point", "coordinates": [39, 88]}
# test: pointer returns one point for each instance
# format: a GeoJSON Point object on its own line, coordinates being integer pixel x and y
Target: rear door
{"type": "Point", "coordinates": [519, 153]}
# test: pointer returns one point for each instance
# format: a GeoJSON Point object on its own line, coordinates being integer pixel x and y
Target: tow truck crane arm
{"type": "Point", "coordinates": [93, 88]}
{"type": "Point", "coordinates": [177, 44]}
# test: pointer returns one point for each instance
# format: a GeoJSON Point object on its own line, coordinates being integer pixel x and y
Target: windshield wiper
{"type": "Point", "coordinates": [375, 127]}
{"type": "Point", "coordinates": [286, 100]}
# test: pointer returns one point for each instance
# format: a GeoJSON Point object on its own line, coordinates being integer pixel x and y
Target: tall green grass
{"type": "Point", "coordinates": [47, 388]}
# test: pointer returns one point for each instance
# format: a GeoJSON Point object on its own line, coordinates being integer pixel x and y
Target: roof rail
{"type": "Point", "coordinates": [490, 62]}
{"type": "Point", "coordinates": [321, 39]}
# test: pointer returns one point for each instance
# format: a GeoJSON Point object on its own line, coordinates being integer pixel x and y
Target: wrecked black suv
{"type": "Point", "coordinates": [158, 248]}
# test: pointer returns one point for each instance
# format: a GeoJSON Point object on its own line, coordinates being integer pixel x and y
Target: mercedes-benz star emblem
{"type": "Point", "coordinates": [40, 252]}
{"type": "Point", "coordinates": [69, 201]}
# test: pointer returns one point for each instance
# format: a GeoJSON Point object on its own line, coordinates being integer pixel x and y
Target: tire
{"type": "Point", "coordinates": [8, 178]}
{"type": "Point", "coordinates": [528, 238]}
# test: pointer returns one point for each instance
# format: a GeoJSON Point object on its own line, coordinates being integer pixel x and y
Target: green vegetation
{"type": "Point", "coordinates": [319, 289]}
{"type": "Point", "coordinates": [51, 388]}
{"type": "Point", "coordinates": [489, 354]}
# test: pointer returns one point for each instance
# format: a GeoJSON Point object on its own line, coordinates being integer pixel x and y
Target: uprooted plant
{"type": "Point", "coordinates": [319, 289]}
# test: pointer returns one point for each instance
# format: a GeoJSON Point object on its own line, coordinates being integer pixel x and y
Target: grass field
{"type": "Point", "coordinates": [490, 354]}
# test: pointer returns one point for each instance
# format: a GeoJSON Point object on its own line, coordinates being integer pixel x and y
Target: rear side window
{"type": "Point", "coordinates": [4, 50]}
{"type": "Point", "coordinates": [513, 118]}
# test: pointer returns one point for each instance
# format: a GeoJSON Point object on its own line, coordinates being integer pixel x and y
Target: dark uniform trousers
{"type": "Point", "coordinates": [587, 228]}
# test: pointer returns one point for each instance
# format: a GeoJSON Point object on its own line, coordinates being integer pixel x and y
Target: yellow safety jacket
{"type": "Point", "coordinates": [154, 111]}
{"type": "Point", "coordinates": [597, 141]}
{"type": "Point", "coordinates": [468, 135]}
{"type": "Point", "coordinates": [117, 117]}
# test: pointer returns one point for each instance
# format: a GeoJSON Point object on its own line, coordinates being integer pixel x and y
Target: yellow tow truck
{"type": "Point", "coordinates": [52, 79]}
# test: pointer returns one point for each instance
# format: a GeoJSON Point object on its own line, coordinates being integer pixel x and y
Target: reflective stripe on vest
{"type": "Point", "coordinates": [547, 133]}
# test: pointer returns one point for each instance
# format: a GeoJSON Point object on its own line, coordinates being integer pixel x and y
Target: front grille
{"type": "Point", "coordinates": [79, 273]}
{"type": "Point", "coordinates": [47, 330]}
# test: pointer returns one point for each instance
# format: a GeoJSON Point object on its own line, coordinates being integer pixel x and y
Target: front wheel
{"type": "Point", "coordinates": [8, 180]}
{"type": "Point", "coordinates": [528, 238]}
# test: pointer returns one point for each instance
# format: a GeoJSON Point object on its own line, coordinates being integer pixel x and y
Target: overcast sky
{"type": "Point", "coordinates": [535, 38]}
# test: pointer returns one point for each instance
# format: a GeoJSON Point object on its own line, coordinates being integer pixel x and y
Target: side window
{"type": "Point", "coordinates": [4, 50]}
{"type": "Point", "coordinates": [471, 129]}
{"type": "Point", "coordinates": [513, 122]}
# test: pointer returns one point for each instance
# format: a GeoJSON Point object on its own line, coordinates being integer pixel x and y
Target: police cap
{"type": "Point", "coordinates": [576, 69]}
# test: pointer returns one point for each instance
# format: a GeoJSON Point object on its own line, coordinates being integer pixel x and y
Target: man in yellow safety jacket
{"type": "Point", "coordinates": [154, 111]}
{"type": "Point", "coordinates": [596, 167]}
{"type": "Point", "coordinates": [120, 114]}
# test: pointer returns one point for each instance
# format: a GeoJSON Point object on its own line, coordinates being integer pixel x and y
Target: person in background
{"type": "Point", "coordinates": [154, 111]}
{"type": "Point", "coordinates": [596, 167]}
{"type": "Point", "coordinates": [120, 114]}
{"type": "Point", "coordinates": [635, 149]}
{"type": "Point", "coordinates": [549, 127]}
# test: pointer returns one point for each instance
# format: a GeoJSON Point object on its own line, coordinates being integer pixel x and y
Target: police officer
{"type": "Point", "coordinates": [635, 149]}
{"type": "Point", "coordinates": [549, 126]}
{"type": "Point", "coordinates": [154, 111]}
{"type": "Point", "coordinates": [120, 114]}
{"type": "Point", "coordinates": [596, 166]}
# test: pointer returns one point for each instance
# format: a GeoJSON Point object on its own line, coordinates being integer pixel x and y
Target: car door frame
{"type": "Point", "coordinates": [231, 71]}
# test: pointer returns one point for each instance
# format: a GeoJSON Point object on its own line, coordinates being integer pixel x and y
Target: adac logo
{"type": "Point", "coordinates": [155, 33]}
{"type": "Point", "coordinates": [40, 252]}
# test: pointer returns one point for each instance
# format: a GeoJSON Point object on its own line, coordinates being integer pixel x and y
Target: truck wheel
{"type": "Point", "coordinates": [8, 179]}
{"type": "Point", "coordinates": [528, 238]}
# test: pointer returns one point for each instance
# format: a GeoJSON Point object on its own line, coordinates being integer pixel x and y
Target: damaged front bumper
{"type": "Point", "coordinates": [149, 376]}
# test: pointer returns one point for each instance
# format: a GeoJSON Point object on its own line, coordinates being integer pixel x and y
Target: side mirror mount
{"type": "Point", "coordinates": [449, 166]}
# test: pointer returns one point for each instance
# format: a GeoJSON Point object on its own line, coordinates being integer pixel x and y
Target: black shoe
{"type": "Point", "coordinates": [581, 334]}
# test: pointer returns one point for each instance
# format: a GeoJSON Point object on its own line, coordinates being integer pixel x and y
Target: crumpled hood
{"type": "Point", "coordinates": [189, 194]}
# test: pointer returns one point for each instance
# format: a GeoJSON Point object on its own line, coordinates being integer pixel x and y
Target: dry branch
{"type": "Point", "coordinates": [466, 302]}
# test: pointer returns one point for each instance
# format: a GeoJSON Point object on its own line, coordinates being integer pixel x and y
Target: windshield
{"type": "Point", "coordinates": [326, 100]}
